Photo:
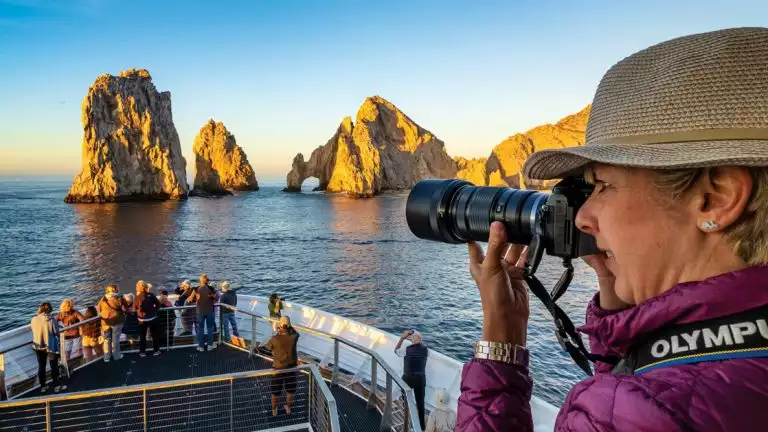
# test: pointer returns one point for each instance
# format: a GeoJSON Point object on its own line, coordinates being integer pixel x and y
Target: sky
{"type": "Point", "coordinates": [282, 75]}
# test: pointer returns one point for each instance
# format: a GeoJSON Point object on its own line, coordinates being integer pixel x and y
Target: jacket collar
{"type": "Point", "coordinates": [687, 302]}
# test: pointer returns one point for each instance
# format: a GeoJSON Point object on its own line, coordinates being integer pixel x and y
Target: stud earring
{"type": "Point", "coordinates": [709, 225]}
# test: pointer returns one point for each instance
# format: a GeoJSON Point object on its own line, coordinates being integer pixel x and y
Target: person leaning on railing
{"type": "Point", "coordinates": [677, 150]}
{"type": "Point", "coordinates": [45, 342]}
{"type": "Point", "coordinates": [187, 297]}
{"type": "Point", "coordinates": [229, 298]}
{"type": "Point", "coordinates": [91, 332]}
{"type": "Point", "coordinates": [147, 305]}
{"type": "Point", "coordinates": [206, 297]}
{"type": "Point", "coordinates": [111, 309]}
{"type": "Point", "coordinates": [69, 316]}
{"type": "Point", "coordinates": [166, 319]}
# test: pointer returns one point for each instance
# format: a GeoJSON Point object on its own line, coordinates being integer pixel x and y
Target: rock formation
{"type": "Point", "coordinates": [220, 164]}
{"type": "Point", "coordinates": [504, 166]}
{"type": "Point", "coordinates": [131, 150]}
{"type": "Point", "coordinates": [383, 150]}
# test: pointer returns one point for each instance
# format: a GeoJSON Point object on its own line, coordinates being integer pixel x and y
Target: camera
{"type": "Point", "coordinates": [456, 211]}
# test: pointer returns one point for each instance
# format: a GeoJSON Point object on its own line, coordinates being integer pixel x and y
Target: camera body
{"type": "Point", "coordinates": [456, 211]}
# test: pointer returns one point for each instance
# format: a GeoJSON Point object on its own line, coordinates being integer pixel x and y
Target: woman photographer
{"type": "Point", "coordinates": [677, 150]}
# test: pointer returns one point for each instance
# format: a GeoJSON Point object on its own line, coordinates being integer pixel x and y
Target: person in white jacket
{"type": "Point", "coordinates": [442, 418]}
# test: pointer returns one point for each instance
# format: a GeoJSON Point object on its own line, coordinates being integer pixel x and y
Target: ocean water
{"type": "Point", "coordinates": [356, 258]}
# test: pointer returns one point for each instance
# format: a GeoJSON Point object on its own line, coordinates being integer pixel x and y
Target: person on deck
{"type": "Point", "coordinates": [147, 305]}
{"type": "Point", "coordinates": [111, 308]}
{"type": "Point", "coordinates": [414, 368]}
{"type": "Point", "coordinates": [442, 418]}
{"type": "Point", "coordinates": [91, 332]}
{"type": "Point", "coordinates": [45, 342]}
{"type": "Point", "coordinates": [187, 297]}
{"type": "Point", "coordinates": [677, 154]}
{"type": "Point", "coordinates": [229, 298]}
{"type": "Point", "coordinates": [69, 316]}
{"type": "Point", "coordinates": [284, 348]}
{"type": "Point", "coordinates": [206, 297]}
{"type": "Point", "coordinates": [166, 319]}
{"type": "Point", "coordinates": [131, 326]}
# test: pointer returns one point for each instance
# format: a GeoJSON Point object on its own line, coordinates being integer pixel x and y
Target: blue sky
{"type": "Point", "coordinates": [282, 74]}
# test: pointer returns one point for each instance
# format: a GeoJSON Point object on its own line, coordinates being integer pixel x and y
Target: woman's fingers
{"type": "Point", "coordinates": [497, 245]}
{"type": "Point", "coordinates": [476, 258]}
{"type": "Point", "coordinates": [513, 254]}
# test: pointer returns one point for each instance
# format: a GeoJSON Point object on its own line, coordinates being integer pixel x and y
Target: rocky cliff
{"type": "Point", "coordinates": [382, 150]}
{"type": "Point", "coordinates": [220, 164]}
{"type": "Point", "coordinates": [131, 150]}
{"type": "Point", "coordinates": [505, 163]}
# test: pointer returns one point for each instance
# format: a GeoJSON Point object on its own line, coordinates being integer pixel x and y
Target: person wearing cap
{"type": "Point", "coordinates": [285, 355]}
{"type": "Point", "coordinates": [677, 151]}
{"type": "Point", "coordinates": [415, 367]}
{"type": "Point", "coordinates": [229, 298]}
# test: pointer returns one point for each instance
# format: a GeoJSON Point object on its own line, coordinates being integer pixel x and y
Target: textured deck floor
{"type": "Point", "coordinates": [185, 413]}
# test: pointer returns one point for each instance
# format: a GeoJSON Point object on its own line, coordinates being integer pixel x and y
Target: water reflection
{"type": "Point", "coordinates": [356, 224]}
{"type": "Point", "coordinates": [125, 242]}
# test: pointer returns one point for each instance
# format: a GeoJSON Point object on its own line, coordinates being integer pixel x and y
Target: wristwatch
{"type": "Point", "coordinates": [503, 352]}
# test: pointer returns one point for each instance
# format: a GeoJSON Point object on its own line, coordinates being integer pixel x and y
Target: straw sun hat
{"type": "Point", "coordinates": [694, 101]}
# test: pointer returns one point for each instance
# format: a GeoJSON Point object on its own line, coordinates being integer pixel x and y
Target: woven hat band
{"type": "Point", "coordinates": [729, 134]}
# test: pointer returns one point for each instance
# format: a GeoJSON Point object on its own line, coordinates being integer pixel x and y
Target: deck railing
{"type": "Point", "coordinates": [384, 390]}
{"type": "Point", "coordinates": [18, 365]}
{"type": "Point", "coordinates": [232, 402]}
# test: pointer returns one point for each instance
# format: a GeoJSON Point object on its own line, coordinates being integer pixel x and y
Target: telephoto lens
{"type": "Point", "coordinates": [456, 211]}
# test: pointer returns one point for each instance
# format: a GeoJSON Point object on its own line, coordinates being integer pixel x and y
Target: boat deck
{"type": "Point", "coordinates": [184, 363]}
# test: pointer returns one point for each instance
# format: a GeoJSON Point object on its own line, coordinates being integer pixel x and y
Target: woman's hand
{"type": "Point", "coordinates": [606, 281]}
{"type": "Point", "coordinates": [503, 293]}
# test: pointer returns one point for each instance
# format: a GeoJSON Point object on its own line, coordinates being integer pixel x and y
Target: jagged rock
{"type": "Point", "coordinates": [383, 150]}
{"type": "Point", "coordinates": [472, 170]}
{"type": "Point", "coordinates": [504, 166]}
{"type": "Point", "coordinates": [131, 150]}
{"type": "Point", "coordinates": [221, 165]}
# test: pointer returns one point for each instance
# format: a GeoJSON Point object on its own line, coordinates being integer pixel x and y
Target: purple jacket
{"type": "Point", "coordinates": [730, 395]}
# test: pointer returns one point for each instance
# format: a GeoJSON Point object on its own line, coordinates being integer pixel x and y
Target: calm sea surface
{"type": "Point", "coordinates": [356, 258]}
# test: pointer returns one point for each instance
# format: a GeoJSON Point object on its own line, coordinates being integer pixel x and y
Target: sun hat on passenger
{"type": "Point", "coordinates": [691, 102]}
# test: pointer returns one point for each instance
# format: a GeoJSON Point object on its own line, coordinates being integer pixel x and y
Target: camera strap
{"type": "Point", "coordinates": [566, 333]}
{"type": "Point", "coordinates": [740, 335]}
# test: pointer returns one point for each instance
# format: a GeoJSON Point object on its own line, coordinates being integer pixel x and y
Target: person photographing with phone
{"type": "Point", "coordinates": [414, 367]}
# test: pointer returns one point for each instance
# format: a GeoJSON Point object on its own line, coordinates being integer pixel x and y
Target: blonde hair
{"type": "Point", "coordinates": [748, 236]}
{"type": "Point", "coordinates": [67, 305]}
{"type": "Point", "coordinates": [142, 287]}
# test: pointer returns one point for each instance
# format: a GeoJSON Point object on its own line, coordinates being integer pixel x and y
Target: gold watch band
{"type": "Point", "coordinates": [502, 352]}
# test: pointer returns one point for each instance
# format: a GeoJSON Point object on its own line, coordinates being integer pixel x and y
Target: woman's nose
{"type": "Point", "coordinates": [585, 219]}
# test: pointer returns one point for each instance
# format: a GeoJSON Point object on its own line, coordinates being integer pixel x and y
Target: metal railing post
{"type": "Point", "coordinates": [386, 416]}
{"type": "Point", "coordinates": [144, 406]}
{"type": "Point", "coordinates": [310, 397]}
{"type": "Point", "coordinates": [253, 336]}
{"type": "Point", "coordinates": [232, 404]}
{"type": "Point", "coordinates": [48, 426]}
{"type": "Point", "coordinates": [372, 397]}
{"type": "Point", "coordinates": [3, 389]}
{"type": "Point", "coordinates": [334, 377]}
{"type": "Point", "coordinates": [63, 357]}
{"type": "Point", "coordinates": [406, 416]}
{"type": "Point", "coordinates": [221, 323]}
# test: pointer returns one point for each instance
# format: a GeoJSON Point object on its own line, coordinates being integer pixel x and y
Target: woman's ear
{"type": "Point", "coordinates": [723, 194]}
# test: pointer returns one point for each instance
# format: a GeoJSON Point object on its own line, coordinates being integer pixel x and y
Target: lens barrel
{"type": "Point", "coordinates": [456, 211]}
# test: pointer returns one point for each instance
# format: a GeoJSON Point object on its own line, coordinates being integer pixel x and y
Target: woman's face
{"type": "Point", "coordinates": [646, 236]}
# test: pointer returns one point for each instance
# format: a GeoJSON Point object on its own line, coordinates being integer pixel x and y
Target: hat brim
{"type": "Point", "coordinates": [553, 164]}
